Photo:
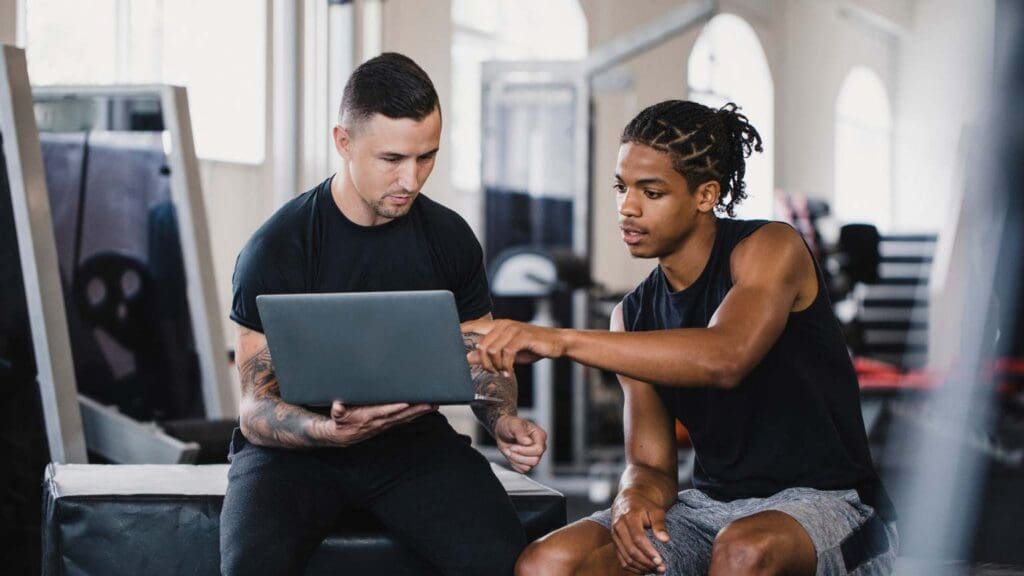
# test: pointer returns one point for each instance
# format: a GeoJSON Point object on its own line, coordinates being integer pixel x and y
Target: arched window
{"type": "Point", "coordinates": [727, 64]}
{"type": "Point", "coordinates": [863, 150]}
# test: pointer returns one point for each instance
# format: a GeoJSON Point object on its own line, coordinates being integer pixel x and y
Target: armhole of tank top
{"type": "Point", "coordinates": [818, 279]}
{"type": "Point", "coordinates": [626, 320]}
{"type": "Point", "coordinates": [817, 271]}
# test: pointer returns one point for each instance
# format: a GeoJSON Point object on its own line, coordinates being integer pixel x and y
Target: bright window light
{"type": "Point", "coordinates": [727, 64]}
{"type": "Point", "coordinates": [182, 42]}
{"type": "Point", "coordinates": [863, 150]}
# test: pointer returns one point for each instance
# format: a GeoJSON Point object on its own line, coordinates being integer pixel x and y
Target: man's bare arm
{"type": "Point", "coordinates": [773, 275]}
{"type": "Point", "coordinates": [265, 419]}
{"type": "Point", "coordinates": [651, 453]}
{"type": "Point", "coordinates": [505, 389]}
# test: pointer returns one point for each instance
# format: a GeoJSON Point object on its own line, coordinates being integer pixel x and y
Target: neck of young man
{"type": "Point", "coordinates": [684, 265]}
{"type": "Point", "coordinates": [350, 203]}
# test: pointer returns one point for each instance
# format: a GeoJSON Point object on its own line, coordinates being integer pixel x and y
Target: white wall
{"type": "Point", "coordinates": [239, 197]}
{"type": "Point", "coordinates": [819, 44]}
{"type": "Point", "coordinates": [933, 55]}
{"type": "Point", "coordinates": [944, 70]}
{"type": "Point", "coordinates": [657, 75]}
{"type": "Point", "coordinates": [422, 30]}
{"type": "Point", "coordinates": [810, 46]}
{"type": "Point", "coordinates": [8, 22]}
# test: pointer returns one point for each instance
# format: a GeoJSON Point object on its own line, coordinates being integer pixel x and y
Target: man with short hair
{"type": "Point", "coordinates": [295, 471]}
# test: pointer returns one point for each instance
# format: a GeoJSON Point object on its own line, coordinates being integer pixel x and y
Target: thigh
{"type": "Point", "coordinates": [847, 535]}
{"type": "Point", "coordinates": [438, 495]}
{"type": "Point", "coordinates": [279, 505]}
{"type": "Point", "coordinates": [603, 562]}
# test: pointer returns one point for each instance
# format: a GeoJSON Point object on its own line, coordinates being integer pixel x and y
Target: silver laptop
{"type": "Point", "coordinates": [367, 348]}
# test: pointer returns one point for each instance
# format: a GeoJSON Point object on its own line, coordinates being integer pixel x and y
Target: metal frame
{"type": "Point", "coordinates": [38, 254]}
{"type": "Point", "coordinates": [496, 78]}
{"type": "Point", "coordinates": [647, 37]}
{"type": "Point", "coordinates": [329, 30]}
{"type": "Point", "coordinates": [74, 422]}
{"type": "Point", "coordinates": [219, 399]}
{"type": "Point", "coordinates": [187, 193]}
{"type": "Point", "coordinates": [121, 439]}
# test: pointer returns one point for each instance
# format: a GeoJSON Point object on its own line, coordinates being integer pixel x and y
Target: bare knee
{"type": "Point", "coordinates": [740, 551]}
{"type": "Point", "coordinates": [545, 558]}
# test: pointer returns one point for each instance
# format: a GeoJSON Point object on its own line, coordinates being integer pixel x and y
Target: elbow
{"type": "Point", "coordinates": [726, 361]}
{"type": "Point", "coordinates": [245, 420]}
{"type": "Point", "coordinates": [727, 374]}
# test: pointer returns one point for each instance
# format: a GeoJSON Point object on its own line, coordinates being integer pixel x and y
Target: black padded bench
{"type": "Point", "coordinates": [156, 519]}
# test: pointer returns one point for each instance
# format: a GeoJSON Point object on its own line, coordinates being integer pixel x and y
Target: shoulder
{"type": "Point", "coordinates": [284, 232]}
{"type": "Point", "coordinates": [772, 248]}
{"type": "Point", "coordinates": [767, 237]}
{"type": "Point", "coordinates": [447, 232]}
{"type": "Point", "coordinates": [443, 219]}
{"type": "Point", "coordinates": [736, 230]}
{"type": "Point", "coordinates": [291, 218]}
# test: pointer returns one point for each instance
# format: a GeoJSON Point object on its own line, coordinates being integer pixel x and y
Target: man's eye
{"type": "Point", "coordinates": [619, 188]}
{"type": "Point", "coordinates": [652, 194]}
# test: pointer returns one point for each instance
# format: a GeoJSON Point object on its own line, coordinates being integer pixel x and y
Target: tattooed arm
{"type": "Point", "coordinates": [504, 389]}
{"type": "Point", "coordinates": [520, 441]}
{"type": "Point", "coordinates": [267, 420]}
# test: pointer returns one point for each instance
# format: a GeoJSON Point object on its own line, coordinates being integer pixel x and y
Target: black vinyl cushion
{"type": "Point", "coordinates": [164, 519]}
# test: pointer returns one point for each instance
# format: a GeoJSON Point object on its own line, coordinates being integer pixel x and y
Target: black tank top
{"type": "Point", "coordinates": [794, 420]}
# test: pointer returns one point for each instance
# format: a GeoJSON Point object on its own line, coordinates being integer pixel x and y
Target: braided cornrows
{"type": "Point", "coordinates": [705, 144]}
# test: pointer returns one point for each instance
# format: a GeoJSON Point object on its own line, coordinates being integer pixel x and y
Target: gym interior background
{"type": "Point", "coordinates": [892, 142]}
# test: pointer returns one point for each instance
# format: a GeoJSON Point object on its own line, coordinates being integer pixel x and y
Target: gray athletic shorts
{"type": "Point", "coordinates": [847, 534]}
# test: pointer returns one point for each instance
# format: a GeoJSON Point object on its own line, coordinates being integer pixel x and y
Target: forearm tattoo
{"type": "Point", "coordinates": [270, 421]}
{"type": "Point", "coordinates": [491, 385]}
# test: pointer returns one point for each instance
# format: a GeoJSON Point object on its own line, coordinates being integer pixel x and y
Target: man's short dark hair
{"type": "Point", "coordinates": [390, 84]}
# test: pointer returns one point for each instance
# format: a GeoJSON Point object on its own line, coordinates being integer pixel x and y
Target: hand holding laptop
{"type": "Point", "coordinates": [353, 424]}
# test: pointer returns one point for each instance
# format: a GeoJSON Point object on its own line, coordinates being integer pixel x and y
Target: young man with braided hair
{"type": "Point", "coordinates": [733, 334]}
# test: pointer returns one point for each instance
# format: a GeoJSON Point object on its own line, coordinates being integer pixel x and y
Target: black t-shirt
{"type": "Point", "coordinates": [309, 246]}
{"type": "Point", "coordinates": [793, 421]}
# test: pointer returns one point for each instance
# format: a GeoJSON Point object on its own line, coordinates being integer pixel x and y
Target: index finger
{"type": "Point", "coordinates": [480, 327]}
{"type": "Point", "coordinates": [649, 556]}
{"type": "Point", "coordinates": [658, 526]}
{"type": "Point", "coordinates": [625, 542]}
{"type": "Point", "coordinates": [643, 541]}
